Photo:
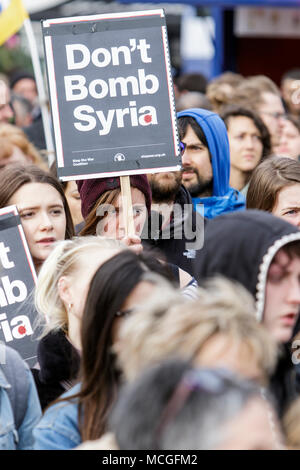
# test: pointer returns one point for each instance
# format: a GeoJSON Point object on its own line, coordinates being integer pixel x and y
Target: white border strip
{"type": "Point", "coordinates": [54, 101]}
{"type": "Point", "coordinates": [104, 16]}
{"type": "Point", "coordinates": [264, 268]}
{"type": "Point", "coordinates": [120, 173]}
{"type": "Point", "coordinates": [170, 90]}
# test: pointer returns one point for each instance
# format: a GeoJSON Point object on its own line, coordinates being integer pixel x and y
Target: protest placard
{"type": "Point", "coordinates": [17, 280]}
{"type": "Point", "coordinates": [111, 95]}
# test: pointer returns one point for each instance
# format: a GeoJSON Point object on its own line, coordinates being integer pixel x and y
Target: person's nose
{"type": "Point", "coordinates": [46, 222]}
{"type": "Point", "coordinates": [7, 112]}
{"type": "Point", "coordinates": [186, 160]}
{"type": "Point", "coordinates": [121, 224]}
{"type": "Point", "coordinates": [294, 291]}
{"type": "Point", "coordinates": [281, 122]}
{"type": "Point", "coordinates": [249, 142]}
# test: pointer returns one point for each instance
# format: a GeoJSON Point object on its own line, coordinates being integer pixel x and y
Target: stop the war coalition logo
{"type": "Point", "coordinates": [17, 281]}
{"type": "Point", "coordinates": [111, 94]}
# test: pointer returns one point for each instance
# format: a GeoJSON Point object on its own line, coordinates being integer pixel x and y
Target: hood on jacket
{"type": "Point", "coordinates": [216, 135]}
{"type": "Point", "coordinates": [184, 200]}
{"type": "Point", "coordinates": [186, 211]}
{"type": "Point", "coordinates": [241, 246]}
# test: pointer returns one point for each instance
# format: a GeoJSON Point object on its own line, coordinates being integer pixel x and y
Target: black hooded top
{"type": "Point", "coordinates": [241, 246]}
{"type": "Point", "coordinates": [59, 366]}
{"type": "Point", "coordinates": [172, 241]}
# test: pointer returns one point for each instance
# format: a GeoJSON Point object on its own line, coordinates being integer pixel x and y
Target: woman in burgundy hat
{"type": "Point", "coordinates": [102, 207]}
{"type": "Point", "coordinates": [102, 210]}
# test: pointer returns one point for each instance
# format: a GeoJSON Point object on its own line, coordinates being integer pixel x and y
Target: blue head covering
{"type": "Point", "coordinates": [224, 198]}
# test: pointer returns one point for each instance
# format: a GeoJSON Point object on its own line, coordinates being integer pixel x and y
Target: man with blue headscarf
{"type": "Point", "coordinates": [206, 163]}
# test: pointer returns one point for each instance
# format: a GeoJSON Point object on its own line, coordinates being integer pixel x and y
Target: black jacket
{"type": "Point", "coordinates": [240, 246]}
{"type": "Point", "coordinates": [35, 132]}
{"type": "Point", "coordinates": [180, 240]}
{"type": "Point", "coordinates": [59, 366]}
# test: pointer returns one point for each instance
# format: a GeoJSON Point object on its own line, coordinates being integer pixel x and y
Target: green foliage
{"type": "Point", "coordinates": [12, 58]}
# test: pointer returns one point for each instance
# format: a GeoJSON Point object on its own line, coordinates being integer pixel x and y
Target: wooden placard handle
{"type": "Point", "coordinates": [127, 205]}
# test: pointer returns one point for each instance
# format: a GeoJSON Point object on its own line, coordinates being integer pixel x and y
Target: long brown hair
{"type": "Point", "coordinates": [100, 377]}
{"type": "Point", "coordinates": [268, 178]}
{"type": "Point", "coordinates": [92, 220]}
{"type": "Point", "coordinates": [14, 177]}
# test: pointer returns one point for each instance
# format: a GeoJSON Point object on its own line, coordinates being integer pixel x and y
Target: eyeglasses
{"type": "Point", "coordinates": [209, 381]}
{"type": "Point", "coordinates": [275, 115]}
{"type": "Point", "coordinates": [182, 147]}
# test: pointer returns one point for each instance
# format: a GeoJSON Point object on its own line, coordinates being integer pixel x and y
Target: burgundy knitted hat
{"type": "Point", "coordinates": [90, 190]}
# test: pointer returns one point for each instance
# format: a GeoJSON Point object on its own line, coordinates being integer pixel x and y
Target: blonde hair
{"type": "Point", "coordinates": [250, 92]}
{"type": "Point", "coordinates": [291, 425]}
{"type": "Point", "coordinates": [62, 261]}
{"type": "Point", "coordinates": [220, 90]}
{"type": "Point", "coordinates": [170, 325]}
{"type": "Point", "coordinates": [18, 138]}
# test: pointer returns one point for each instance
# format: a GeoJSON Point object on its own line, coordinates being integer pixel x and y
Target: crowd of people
{"type": "Point", "coordinates": [183, 332]}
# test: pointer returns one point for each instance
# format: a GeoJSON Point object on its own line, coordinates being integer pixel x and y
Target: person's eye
{"type": "Point", "coordinates": [196, 148]}
{"type": "Point", "coordinates": [57, 211]}
{"type": "Point", "coordinates": [137, 211]}
{"type": "Point", "coordinates": [257, 138]}
{"type": "Point", "coordinates": [112, 211]}
{"type": "Point", "coordinates": [276, 277]}
{"type": "Point", "coordinates": [291, 212]}
{"type": "Point", "coordinates": [27, 215]}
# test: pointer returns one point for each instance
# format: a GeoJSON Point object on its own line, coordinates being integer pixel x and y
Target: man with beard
{"type": "Point", "coordinates": [206, 162]}
{"type": "Point", "coordinates": [174, 228]}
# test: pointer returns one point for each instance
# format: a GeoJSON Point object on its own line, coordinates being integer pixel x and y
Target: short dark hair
{"type": "Point", "coordinates": [18, 75]}
{"type": "Point", "coordinates": [184, 122]}
{"type": "Point", "coordinates": [292, 249]}
{"type": "Point", "coordinates": [292, 74]}
{"type": "Point", "coordinates": [236, 111]}
{"type": "Point", "coordinates": [192, 82]}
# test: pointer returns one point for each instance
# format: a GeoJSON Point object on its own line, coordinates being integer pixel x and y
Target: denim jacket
{"type": "Point", "coordinates": [10, 437]}
{"type": "Point", "coordinates": [58, 428]}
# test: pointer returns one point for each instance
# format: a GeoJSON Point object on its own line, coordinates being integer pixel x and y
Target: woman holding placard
{"type": "Point", "coordinates": [105, 213]}
{"type": "Point", "coordinates": [103, 209]}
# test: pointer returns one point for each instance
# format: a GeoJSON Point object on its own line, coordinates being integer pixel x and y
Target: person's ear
{"type": "Point", "coordinates": [63, 286]}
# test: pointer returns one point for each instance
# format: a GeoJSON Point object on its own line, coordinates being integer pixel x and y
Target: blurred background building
{"type": "Point", "coordinates": [207, 36]}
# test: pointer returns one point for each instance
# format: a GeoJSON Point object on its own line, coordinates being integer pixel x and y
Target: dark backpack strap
{"type": "Point", "coordinates": [15, 371]}
{"type": "Point", "coordinates": [175, 270]}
